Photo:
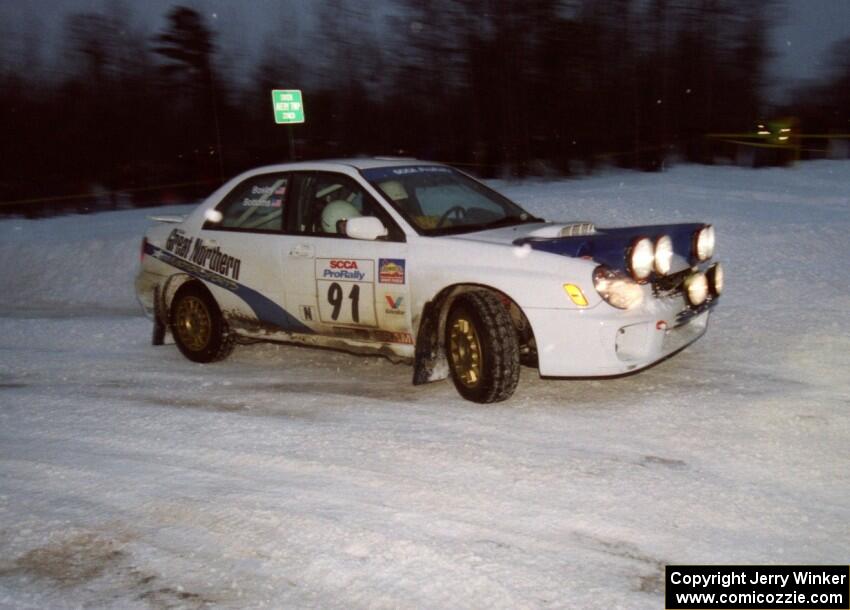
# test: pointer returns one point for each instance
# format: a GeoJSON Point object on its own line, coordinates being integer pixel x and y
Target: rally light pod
{"type": "Point", "coordinates": [640, 259]}
{"type": "Point", "coordinates": [696, 288]}
{"type": "Point", "coordinates": [715, 279]}
{"type": "Point", "coordinates": [663, 254]}
{"type": "Point", "coordinates": [703, 243]}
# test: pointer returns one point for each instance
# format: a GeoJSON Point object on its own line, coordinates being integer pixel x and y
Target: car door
{"type": "Point", "coordinates": [247, 228]}
{"type": "Point", "coordinates": [344, 287]}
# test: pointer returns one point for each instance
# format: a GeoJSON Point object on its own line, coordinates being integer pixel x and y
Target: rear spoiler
{"type": "Point", "coordinates": [169, 219]}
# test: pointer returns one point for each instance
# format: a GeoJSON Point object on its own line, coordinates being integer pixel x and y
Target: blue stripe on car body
{"type": "Point", "coordinates": [266, 310]}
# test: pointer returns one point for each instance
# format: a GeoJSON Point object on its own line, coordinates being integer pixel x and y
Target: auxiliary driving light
{"type": "Point", "coordinates": [704, 243]}
{"type": "Point", "coordinates": [641, 258]}
{"type": "Point", "coordinates": [696, 288]}
{"type": "Point", "coordinates": [715, 279]}
{"type": "Point", "coordinates": [663, 254]}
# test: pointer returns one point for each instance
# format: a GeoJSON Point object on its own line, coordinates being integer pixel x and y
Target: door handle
{"type": "Point", "coordinates": [302, 251]}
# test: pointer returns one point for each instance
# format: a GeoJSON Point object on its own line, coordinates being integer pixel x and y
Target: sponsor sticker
{"type": "Point", "coordinates": [394, 304]}
{"type": "Point", "coordinates": [425, 169]}
{"type": "Point", "coordinates": [392, 337]}
{"type": "Point", "coordinates": [391, 270]}
{"type": "Point", "coordinates": [203, 255]}
{"type": "Point", "coordinates": [344, 269]}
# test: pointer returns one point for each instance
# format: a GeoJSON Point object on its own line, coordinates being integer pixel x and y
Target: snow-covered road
{"type": "Point", "coordinates": [289, 477]}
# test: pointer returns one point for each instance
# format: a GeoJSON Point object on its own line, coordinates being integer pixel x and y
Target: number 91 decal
{"type": "Point", "coordinates": [335, 299]}
{"type": "Point", "coordinates": [346, 291]}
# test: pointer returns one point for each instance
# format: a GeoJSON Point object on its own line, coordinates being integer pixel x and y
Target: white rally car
{"type": "Point", "coordinates": [421, 263]}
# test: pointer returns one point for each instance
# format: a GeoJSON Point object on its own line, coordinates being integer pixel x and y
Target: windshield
{"type": "Point", "coordinates": [439, 200]}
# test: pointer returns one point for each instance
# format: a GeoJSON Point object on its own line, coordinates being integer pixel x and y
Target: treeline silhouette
{"type": "Point", "coordinates": [503, 87]}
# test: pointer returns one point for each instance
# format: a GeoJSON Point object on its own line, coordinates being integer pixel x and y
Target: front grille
{"type": "Point", "coordinates": [686, 315]}
{"type": "Point", "coordinates": [668, 285]}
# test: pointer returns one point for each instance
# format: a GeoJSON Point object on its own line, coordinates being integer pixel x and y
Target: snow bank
{"type": "Point", "coordinates": [73, 264]}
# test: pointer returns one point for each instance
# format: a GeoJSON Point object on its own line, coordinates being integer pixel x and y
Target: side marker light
{"type": "Point", "coordinates": [575, 293]}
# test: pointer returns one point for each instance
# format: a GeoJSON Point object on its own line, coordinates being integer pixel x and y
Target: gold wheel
{"type": "Point", "coordinates": [465, 349]}
{"type": "Point", "coordinates": [193, 323]}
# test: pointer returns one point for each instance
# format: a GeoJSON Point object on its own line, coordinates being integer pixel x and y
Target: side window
{"type": "Point", "coordinates": [327, 200]}
{"type": "Point", "coordinates": [256, 204]}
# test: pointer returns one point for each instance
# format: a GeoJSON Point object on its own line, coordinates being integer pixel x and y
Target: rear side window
{"type": "Point", "coordinates": [257, 204]}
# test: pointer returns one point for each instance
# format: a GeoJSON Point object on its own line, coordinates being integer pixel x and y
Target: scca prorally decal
{"type": "Point", "coordinates": [345, 269]}
{"type": "Point", "coordinates": [204, 256]}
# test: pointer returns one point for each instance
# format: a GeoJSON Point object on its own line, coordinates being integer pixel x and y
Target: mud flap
{"type": "Point", "coordinates": [159, 326]}
{"type": "Point", "coordinates": [430, 363]}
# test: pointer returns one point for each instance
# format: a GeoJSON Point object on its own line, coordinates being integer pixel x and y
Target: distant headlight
{"type": "Point", "coordinates": [696, 288]}
{"type": "Point", "coordinates": [641, 258]}
{"type": "Point", "coordinates": [618, 290]}
{"type": "Point", "coordinates": [715, 279]}
{"type": "Point", "coordinates": [704, 243]}
{"type": "Point", "coordinates": [663, 254]}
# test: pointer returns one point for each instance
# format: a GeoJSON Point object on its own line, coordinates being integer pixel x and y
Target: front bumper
{"type": "Point", "coordinates": [606, 341]}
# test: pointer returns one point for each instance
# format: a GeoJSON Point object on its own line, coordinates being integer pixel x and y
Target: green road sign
{"type": "Point", "coordinates": [288, 107]}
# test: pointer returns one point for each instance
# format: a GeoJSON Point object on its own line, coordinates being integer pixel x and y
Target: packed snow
{"type": "Point", "coordinates": [288, 477]}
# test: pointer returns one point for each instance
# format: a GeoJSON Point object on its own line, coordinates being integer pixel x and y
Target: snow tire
{"type": "Point", "coordinates": [498, 344]}
{"type": "Point", "coordinates": [219, 339]}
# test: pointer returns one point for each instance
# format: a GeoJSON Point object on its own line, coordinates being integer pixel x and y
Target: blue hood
{"type": "Point", "coordinates": [608, 246]}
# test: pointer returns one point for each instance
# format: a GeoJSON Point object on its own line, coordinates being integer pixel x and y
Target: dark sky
{"type": "Point", "coordinates": [807, 31]}
{"type": "Point", "coordinates": [807, 28]}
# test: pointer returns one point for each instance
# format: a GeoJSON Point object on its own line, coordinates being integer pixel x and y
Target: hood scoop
{"type": "Point", "coordinates": [576, 229]}
{"type": "Point", "coordinates": [572, 229]}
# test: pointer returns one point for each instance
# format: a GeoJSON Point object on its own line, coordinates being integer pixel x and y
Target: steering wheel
{"type": "Point", "coordinates": [459, 212]}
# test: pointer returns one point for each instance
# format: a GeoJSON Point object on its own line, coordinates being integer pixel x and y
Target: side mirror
{"type": "Point", "coordinates": [365, 227]}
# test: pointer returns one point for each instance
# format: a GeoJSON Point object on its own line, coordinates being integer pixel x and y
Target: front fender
{"type": "Point", "coordinates": [530, 278]}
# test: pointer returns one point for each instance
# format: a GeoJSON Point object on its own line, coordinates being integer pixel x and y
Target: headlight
{"type": "Point", "coordinates": [715, 279]}
{"type": "Point", "coordinates": [640, 258]}
{"type": "Point", "coordinates": [663, 254]}
{"type": "Point", "coordinates": [704, 243]}
{"type": "Point", "coordinates": [696, 288]}
{"type": "Point", "coordinates": [618, 290]}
